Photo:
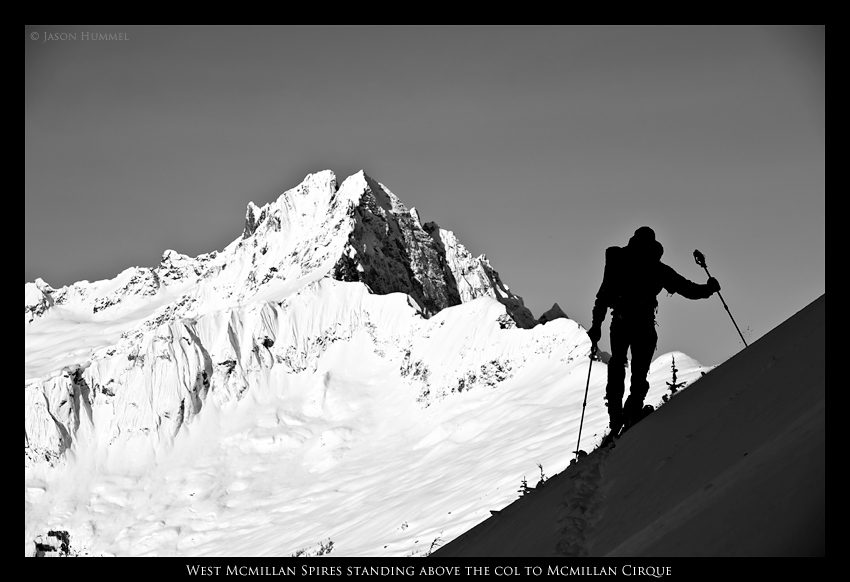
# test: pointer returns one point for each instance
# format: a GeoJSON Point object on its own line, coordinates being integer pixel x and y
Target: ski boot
{"type": "Point", "coordinates": [634, 417]}
{"type": "Point", "coordinates": [615, 425]}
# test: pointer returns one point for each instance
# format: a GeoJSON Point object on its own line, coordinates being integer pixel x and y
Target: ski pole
{"type": "Point", "coordinates": [583, 406]}
{"type": "Point", "coordinates": [700, 259]}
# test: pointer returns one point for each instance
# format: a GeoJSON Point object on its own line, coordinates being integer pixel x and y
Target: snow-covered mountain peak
{"type": "Point", "coordinates": [358, 230]}
{"type": "Point", "coordinates": [193, 312]}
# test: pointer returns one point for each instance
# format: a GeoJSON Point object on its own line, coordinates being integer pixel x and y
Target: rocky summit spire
{"type": "Point", "coordinates": [391, 251]}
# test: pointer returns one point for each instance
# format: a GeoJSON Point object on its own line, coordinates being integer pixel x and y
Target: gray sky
{"type": "Point", "coordinates": [539, 146]}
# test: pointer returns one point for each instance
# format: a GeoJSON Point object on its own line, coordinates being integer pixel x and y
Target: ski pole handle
{"type": "Point", "coordinates": [700, 259]}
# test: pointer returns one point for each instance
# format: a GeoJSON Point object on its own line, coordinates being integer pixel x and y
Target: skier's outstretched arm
{"type": "Point", "coordinates": [675, 283]}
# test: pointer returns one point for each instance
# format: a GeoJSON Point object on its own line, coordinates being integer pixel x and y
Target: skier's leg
{"type": "Point", "coordinates": [616, 373]}
{"type": "Point", "coordinates": [644, 340]}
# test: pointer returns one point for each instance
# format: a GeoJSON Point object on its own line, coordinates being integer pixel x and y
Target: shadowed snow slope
{"type": "Point", "coordinates": [733, 466]}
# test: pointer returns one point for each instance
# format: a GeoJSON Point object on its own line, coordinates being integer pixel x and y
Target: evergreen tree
{"type": "Point", "coordinates": [674, 385]}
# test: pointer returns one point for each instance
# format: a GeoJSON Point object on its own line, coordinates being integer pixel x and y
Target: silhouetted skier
{"type": "Point", "coordinates": [634, 276]}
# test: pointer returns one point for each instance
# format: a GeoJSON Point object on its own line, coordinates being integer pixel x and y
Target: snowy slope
{"type": "Point", "coordinates": [734, 466]}
{"type": "Point", "coordinates": [339, 372]}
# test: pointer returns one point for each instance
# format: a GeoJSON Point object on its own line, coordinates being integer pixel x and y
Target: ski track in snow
{"type": "Point", "coordinates": [582, 503]}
